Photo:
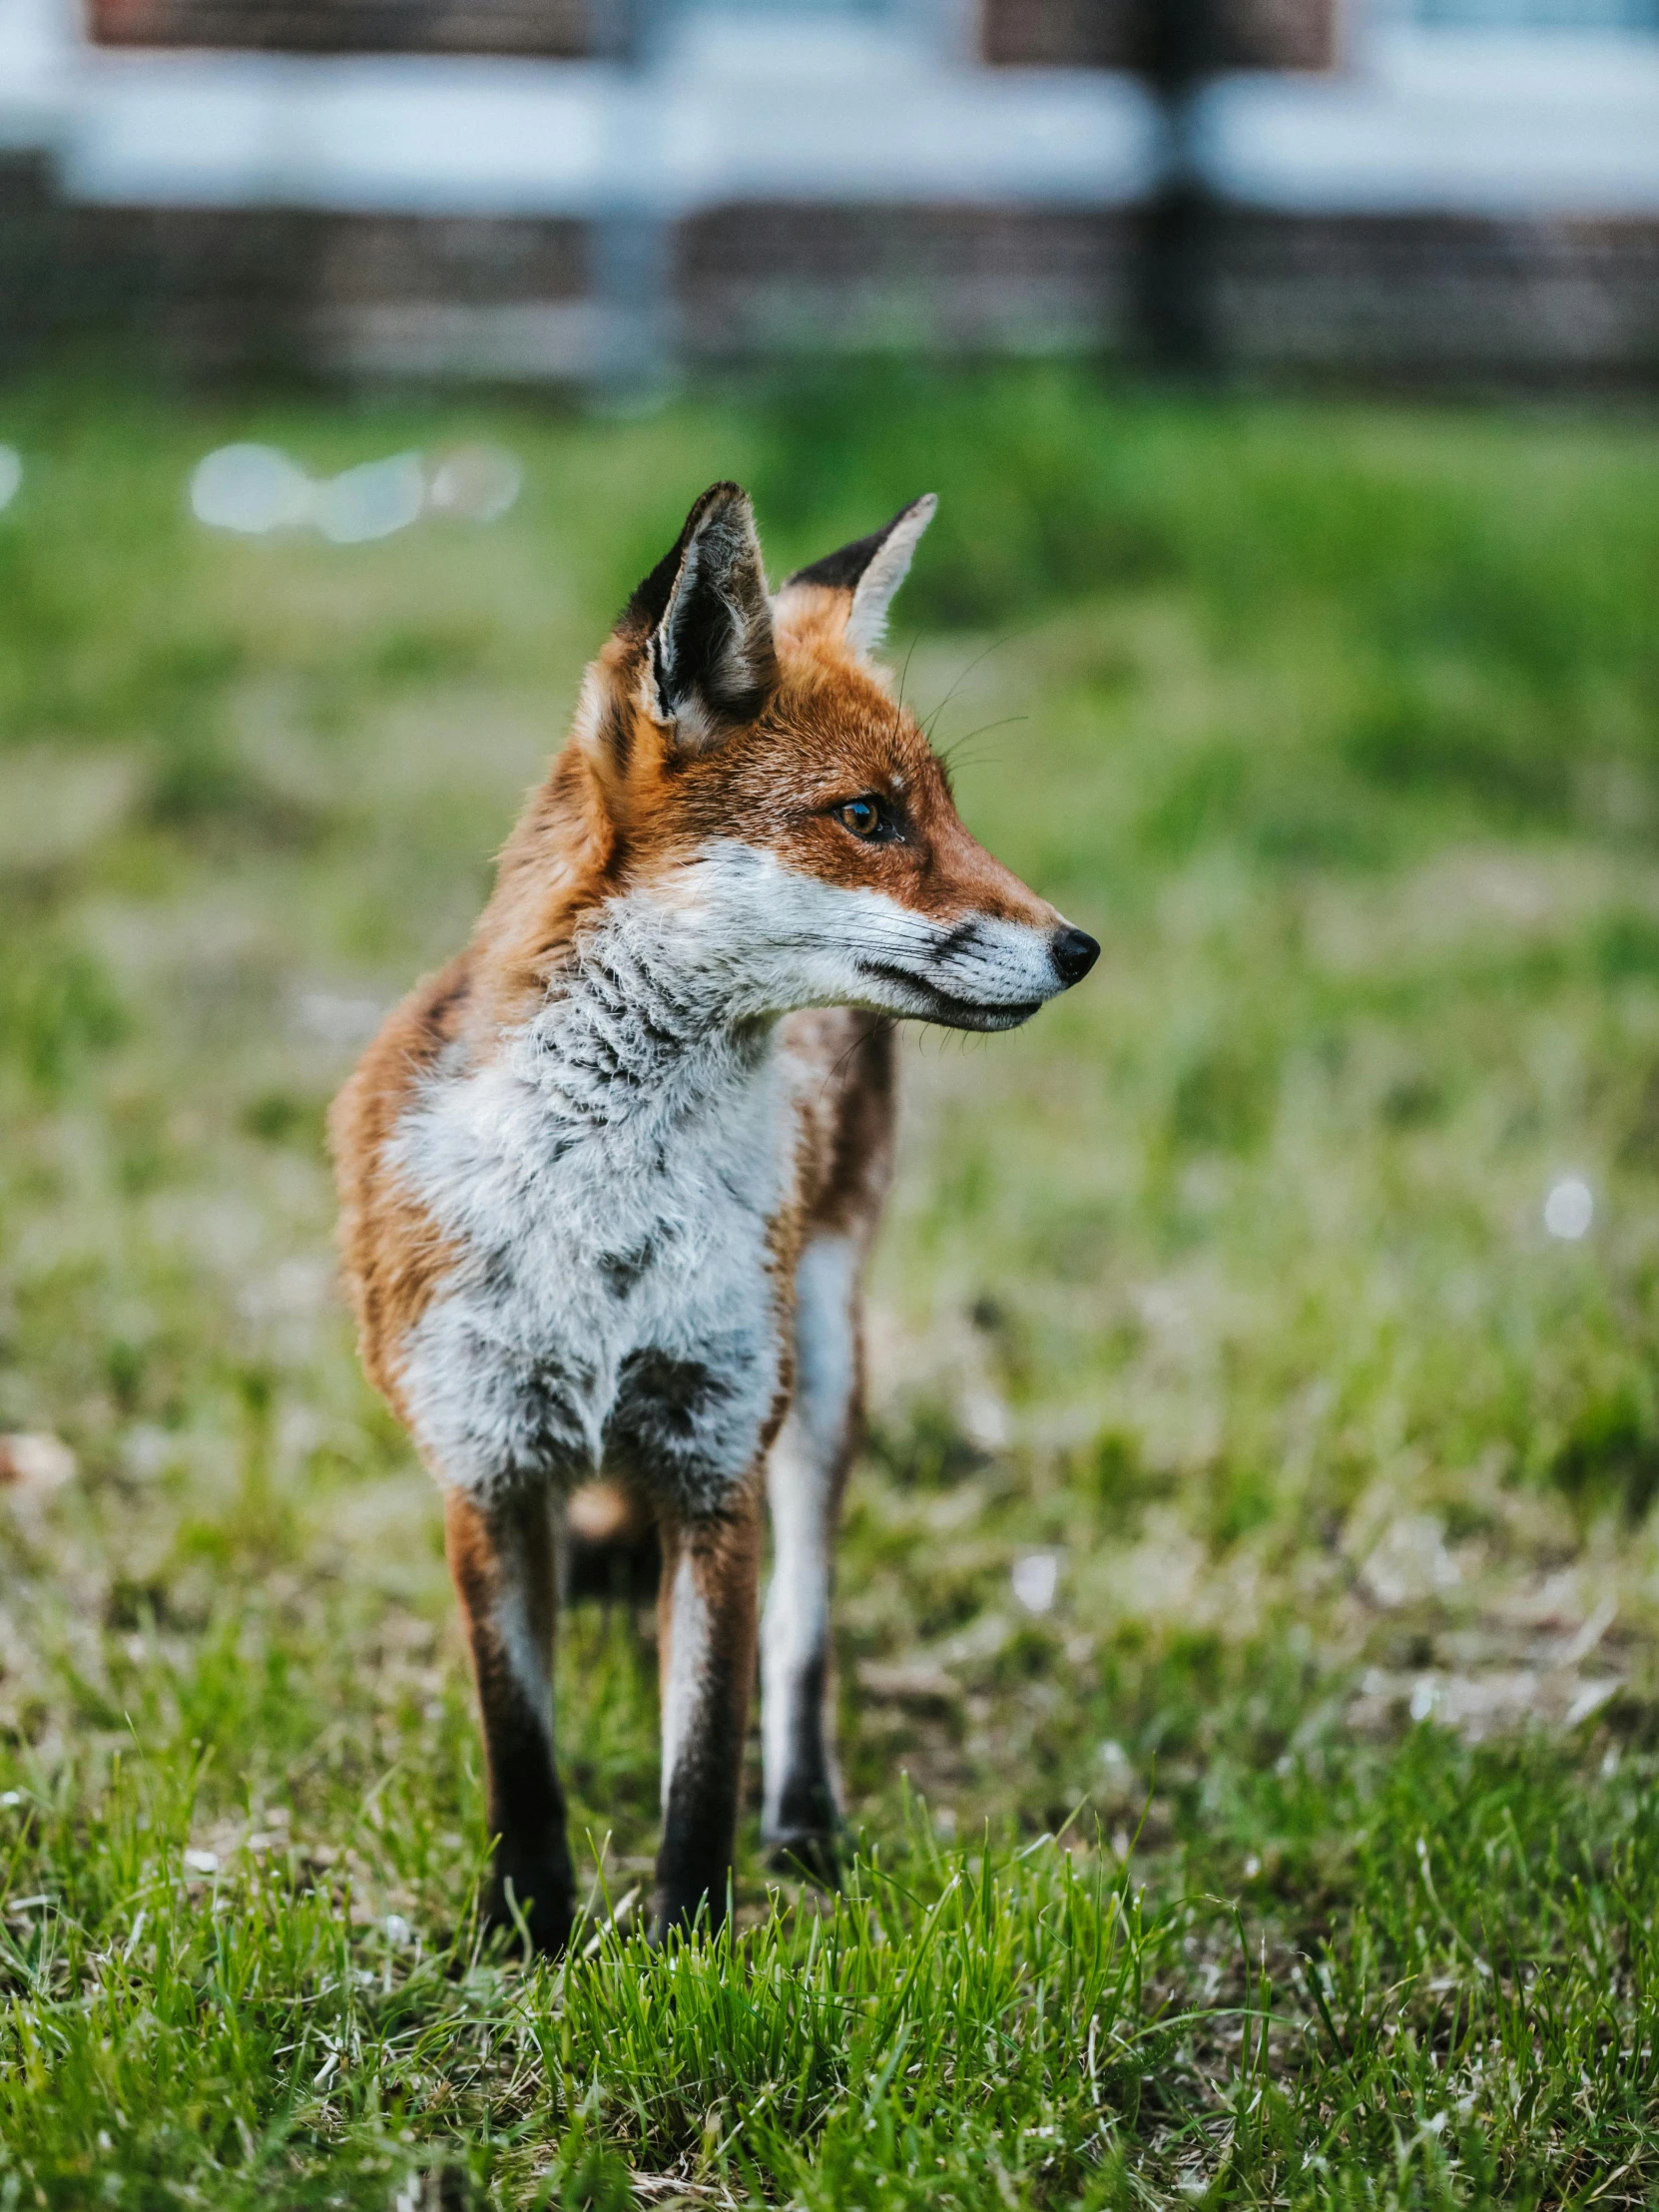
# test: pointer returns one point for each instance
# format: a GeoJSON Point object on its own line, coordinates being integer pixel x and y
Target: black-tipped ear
{"type": "Point", "coordinates": [869, 571]}
{"type": "Point", "coordinates": [706, 622]}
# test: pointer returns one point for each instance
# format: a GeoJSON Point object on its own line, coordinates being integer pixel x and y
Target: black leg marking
{"type": "Point", "coordinates": [707, 1609]}
{"type": "Point", "coordinates": [501, 1557]}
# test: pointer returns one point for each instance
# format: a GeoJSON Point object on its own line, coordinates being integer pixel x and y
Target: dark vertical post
{"type": "Point", "coordinates": [1177, 48]}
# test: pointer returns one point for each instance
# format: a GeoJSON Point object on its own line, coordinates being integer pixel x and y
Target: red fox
{"type": "Point", "coordinates": [608, 1180]}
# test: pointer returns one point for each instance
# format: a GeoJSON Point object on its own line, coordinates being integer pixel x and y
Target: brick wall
{"type": "Point", "coordinates": [226, 291]}
{"type": "Point", "coordinates": [1405, 298]}
{"type": "Point", "coordinates": [543, 27]}
{"type": "Point", "coordinates": [1101, 34]}
{"type": "Point", "coordinates": [760, 279]}
{"type": "Point", "coordinates": [1134, 34]}
{"type": "Point", "coordinates": [1437, 299]}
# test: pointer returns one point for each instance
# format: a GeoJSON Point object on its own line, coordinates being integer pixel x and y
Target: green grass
{"type": "Point", "coordinates": [1302, 1851]}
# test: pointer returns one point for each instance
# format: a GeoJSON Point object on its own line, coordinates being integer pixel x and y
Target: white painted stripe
{"type": "Point", "coordinates": [1480, 122]}
{"type": "Point", "coordinates": [1447, 122]}
{"type": "Point", "coordinates": [767, 108]}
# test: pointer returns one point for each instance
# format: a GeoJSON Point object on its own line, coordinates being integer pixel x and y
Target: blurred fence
{"type": "Point", "coordinates": [591, 190]}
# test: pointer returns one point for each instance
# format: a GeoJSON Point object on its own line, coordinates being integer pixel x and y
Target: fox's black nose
{"type": "Point", "coordinates": [1073, 953]}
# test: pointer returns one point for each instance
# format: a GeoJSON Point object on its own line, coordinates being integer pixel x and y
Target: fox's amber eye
{"type": "Point", "coordinates": [864, 816]}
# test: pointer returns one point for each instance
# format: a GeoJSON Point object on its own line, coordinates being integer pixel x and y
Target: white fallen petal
{"type": "Point", "coordinates": [1035, 1579]}
{"type": "Point", "coordinates": [36, 1463]}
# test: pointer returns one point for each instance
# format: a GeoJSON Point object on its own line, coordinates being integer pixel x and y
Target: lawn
{"type": "Point", "coordinates": [1249, 1627]}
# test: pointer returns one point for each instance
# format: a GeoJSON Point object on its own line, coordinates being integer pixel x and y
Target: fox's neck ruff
{"type": "Point", "coordinates": [635, 1029]}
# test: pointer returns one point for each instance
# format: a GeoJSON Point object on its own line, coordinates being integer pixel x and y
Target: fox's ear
{"type": "Point", "coordinates": [850, 592]}
{"type": "Point", "coordinates": [706, 622]}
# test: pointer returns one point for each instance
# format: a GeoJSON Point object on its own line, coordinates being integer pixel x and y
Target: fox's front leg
{"type": "Point", "coordinates": [707, 1607]}
{"type": "Point", "coordinates": [806, 1475]}
{"type": "Point", "coordinates": [501, 1557]}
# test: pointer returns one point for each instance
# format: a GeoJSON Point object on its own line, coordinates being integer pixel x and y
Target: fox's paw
{"type": "Point", "coordinates": [520, 1904]}
{"type": "Point", "coordinates": [810, 1854]}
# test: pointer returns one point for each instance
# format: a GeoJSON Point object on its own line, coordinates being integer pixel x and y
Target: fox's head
{"type": "Point", "coordinates": [784, 819]}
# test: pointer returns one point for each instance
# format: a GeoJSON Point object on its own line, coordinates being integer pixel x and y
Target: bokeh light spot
{"type": "Point", "coordinates": [371, 501]}
{"type": "Point", "coordinates": [474, 482]}
{"type": "Point", "coordinates": [250, 488]}
{"type": "Point", "coordinates": [1569, 1208]}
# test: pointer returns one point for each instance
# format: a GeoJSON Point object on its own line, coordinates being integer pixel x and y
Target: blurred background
{"type": "Point", "coordinates": [593, 192]}
{"type": "Point", "coordinates": [1264, 1362]}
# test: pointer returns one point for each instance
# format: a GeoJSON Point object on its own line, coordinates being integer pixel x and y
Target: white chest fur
{"type": "Point", "coordinates": [609, 1183]}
